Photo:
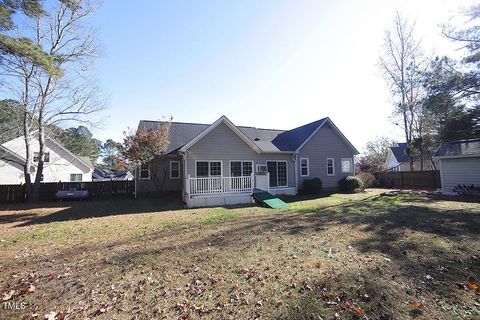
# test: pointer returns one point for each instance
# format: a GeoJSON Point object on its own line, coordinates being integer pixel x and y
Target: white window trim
{"type": "Point", "coordinates": [179, 170]}
{"type": "Point", "coordinates": [333, 166]}
{"type": "Point", "coordinates": [308, 167]}
{"type": "Point", "coordinates": [241, 161]}
{"type": "Point", "coordinates": [209, 175]}
{"type": "Point", "coordinates": [140, 173]}
{"type": "Point", "coordinates": [351, 165]}
{"type": "Point", "coordinates": [286, 172]}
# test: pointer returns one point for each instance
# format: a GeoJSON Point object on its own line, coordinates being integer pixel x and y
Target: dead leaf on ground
{"type": "Point", "coordinates": [416, 305]}
{"type": "Point", "coordinates": [29, 289]}
{"type": "Point", "coordinates": [8, 295]}
{"type": "Point", "coordinates": [472, 284]}
{"type": "Point", "coordinates": [357, 310]}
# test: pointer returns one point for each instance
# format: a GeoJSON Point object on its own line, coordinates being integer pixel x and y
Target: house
{"type": "Point", "coordinates": [59, 163]}
{"type": "Point", "coordinates": [221, 163]}
{"type": "Point", "coordinates": [459, 163]}
{"type": "Point", "coordinates": [398, 160]}
{"type": "Point", "coordinates": [107, 175]}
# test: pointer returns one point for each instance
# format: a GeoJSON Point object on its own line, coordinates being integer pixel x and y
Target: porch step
{"type": "Point", "coordinates": [269, 200]}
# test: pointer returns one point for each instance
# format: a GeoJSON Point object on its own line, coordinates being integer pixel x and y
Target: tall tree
{"type": "Point", "coordinates": [402, 64]}
{"type": "Point", "coordinates": [80, 141]}
{"type": "Point", "coordinates": [111, 155]}
{"type": "Point", "coordinates": [60, 94]}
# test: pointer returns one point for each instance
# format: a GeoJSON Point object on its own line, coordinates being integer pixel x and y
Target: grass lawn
{"type": "Point", "coordinates": [364, 255]}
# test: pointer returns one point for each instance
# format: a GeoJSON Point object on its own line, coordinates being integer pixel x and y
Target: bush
{"type": "Point", "coordinates": [312, 186]}
{"type": "Point", "coordinates": [350, 184]}
{"type": "Point", "coordinates": [367, 178]}
{"type": "Point", "coordinates": [464, 190]}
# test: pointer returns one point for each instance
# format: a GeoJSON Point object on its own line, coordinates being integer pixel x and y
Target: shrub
{"type": "Point", "coordinates": [350, 184]}
{"type": "Point", "coordinates": [464, 190]}
{"type": "Point", "coordinates": [367, 178]}
{"type": "Point", "coordinates": [312, 186]}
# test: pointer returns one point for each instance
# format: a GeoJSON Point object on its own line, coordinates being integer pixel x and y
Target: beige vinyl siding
{"type": "Point", "coordinates": [160, 169]}
{"type": "Point", "coordinates": [324, 144]}
{"type": "Point", "coordinates": [459, 171]}
{"type": "Point", "coordinates": [224, 145]}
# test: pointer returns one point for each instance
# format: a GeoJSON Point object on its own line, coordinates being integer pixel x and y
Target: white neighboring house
{"type": "Point", "coordinates": [459, 164]}
{"type": "Point", "coordinates": [398, 160]}
{"type": "Point", "coordinates": [59, 165]}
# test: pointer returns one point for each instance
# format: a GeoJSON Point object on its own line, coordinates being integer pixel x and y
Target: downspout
{"type": "Point", "coordinates": [294, 159]}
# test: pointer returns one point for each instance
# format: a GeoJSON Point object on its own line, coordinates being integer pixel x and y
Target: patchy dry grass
{"type": "Point", "coordinates": [360, 255]}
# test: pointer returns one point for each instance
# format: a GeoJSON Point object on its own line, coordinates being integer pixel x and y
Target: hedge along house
{"type": "Point", "coordinates": [222, 164]}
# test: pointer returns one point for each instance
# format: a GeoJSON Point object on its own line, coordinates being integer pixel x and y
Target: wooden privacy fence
{"type": "Point", "coordinates": [428, 180]}
{"type": "Point", "coordinates": [96, 189]}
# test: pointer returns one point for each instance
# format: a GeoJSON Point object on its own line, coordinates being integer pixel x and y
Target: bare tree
{"type": "Point", "coordinates": [403, 64]}
{"type": "Point", "coordinates": [63, 94]}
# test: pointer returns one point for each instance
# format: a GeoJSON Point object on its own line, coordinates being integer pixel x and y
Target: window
{"type": "Point", "coordinates": [75, 177]}
{"type": "Point", "coordinates": [330, 167]}
{"type": "Point", "coordinates": [241, 168]}
{"type": "Point", "coordinates": [304, 167]}
{"type": "Point", "coordinates": [46, 157]}
{"type": "Point", "coordinates": [262, 169]}
{"type": "Point", "coordinates": [174, 169]}
{"type": "Point", "coordinates": [347, 165]}
{"type": "Point", "coordinates": [278, 173]}
{"type": "Point", "coordinates": [209, 169]}
{"type": "Point", "coordinates": [145, 171]}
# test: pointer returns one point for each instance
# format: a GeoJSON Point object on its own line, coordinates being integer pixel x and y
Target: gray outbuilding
{"type": "Point", "coordinates": [459, 164]}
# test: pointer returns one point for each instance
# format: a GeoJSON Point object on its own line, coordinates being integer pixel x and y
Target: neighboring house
{"type": "Point", "coordinates": [459, 163]}
{"type": "Point", "coordinates": [59, 163]}
{"type": "Point", "coordinates": [398, 160]}
{"type": "Point", "coordinates": [107, 175]}
{"type": "Point", "coordinates": [220, 163]}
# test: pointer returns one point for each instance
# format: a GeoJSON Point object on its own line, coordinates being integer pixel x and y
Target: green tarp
{"type": "Point", "coordinates": [269, 200]}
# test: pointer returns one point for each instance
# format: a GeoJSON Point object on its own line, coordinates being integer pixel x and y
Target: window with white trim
{"type": "Point", "coordinates": [278, 173]}
{"type": "Point", "coordinates": [174, 169]}
{"type": "Point", "coordinates": [330, 167]}
{"type": "Point", "coordinates": [304, 167]}
{"type": "Point", "coordinates": [208, 169]}
{"type": "Point", "coordinates": [75, 177]}
{"type": "Point", "coordinates": [347, 166]}
{"type": "Point", "coordinates": [145, 171]}
{"type": "Point", "coordinates": [241, 168]}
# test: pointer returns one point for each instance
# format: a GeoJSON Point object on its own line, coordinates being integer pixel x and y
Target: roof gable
{"type": "Point", "coordinates": [229, 124]}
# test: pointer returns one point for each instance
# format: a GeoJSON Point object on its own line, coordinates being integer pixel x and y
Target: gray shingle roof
{"type": "Point", "coordinates": [268, 140]}
{"type": "Point", "coordinates": [459, 148]}
{"type": "Point", "coordinates": [400, 152]}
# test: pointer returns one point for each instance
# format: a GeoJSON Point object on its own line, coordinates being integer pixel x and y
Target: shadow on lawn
{"type": "Point", "coordinates": [390, 229]}
{"type": "Point", "coordinates": [387, 226]}
{"type": "Point", "coordinates": [75, 210]}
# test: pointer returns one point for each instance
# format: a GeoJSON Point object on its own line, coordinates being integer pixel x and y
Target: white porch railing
{"type": "Point", "coordinates": [216, 185]}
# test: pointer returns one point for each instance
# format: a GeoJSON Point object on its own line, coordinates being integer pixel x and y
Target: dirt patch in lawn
{"type": "Point", "coordinates": [350, 256]}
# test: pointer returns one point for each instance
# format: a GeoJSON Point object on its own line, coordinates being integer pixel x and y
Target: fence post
{"type": "Point", "coordinates": [401, 179]}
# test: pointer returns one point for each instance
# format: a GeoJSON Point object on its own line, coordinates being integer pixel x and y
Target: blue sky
{"type": "Point", "coordinates": [270, 63]}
